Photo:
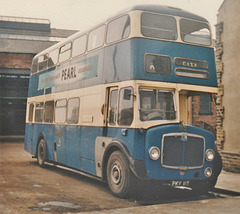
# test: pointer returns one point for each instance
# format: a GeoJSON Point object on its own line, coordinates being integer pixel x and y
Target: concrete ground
{"type": "Point", "coordinates": [227, 181]}
{"type": "Point", "coordinates": [27, 188]}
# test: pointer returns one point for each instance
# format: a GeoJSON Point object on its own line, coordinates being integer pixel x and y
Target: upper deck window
{"type": "Point", "coordinates": [195, 32]}
{"type": "Point", "coordinates": [79, 46]}
{"type": "Point", "coordinates": [118, 29]}
{"type": "Point", "coordinates": [158, 26]}
{"type": "Point", "coordinates": [34, 66]}
{"type": "Point", "coordinates": [65, 52]}
{"type": "Point", "coordinates": [42, 62]}
{"type": "Point", "coordinates": [96, 38]}
{"type": "Point", "coordinates": [53, 58]}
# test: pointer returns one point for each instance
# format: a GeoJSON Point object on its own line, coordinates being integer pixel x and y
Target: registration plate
{"type": "Point", "coordinates": [180, 183]}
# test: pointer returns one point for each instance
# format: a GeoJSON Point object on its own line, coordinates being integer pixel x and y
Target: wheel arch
{"type": "Point", "coordinates": [112, 147]}
{"type": "Point", "coordinates": [40, 137]}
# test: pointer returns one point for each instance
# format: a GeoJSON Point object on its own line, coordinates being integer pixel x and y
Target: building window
{"type": "Point", "coordinates": [205, 104]}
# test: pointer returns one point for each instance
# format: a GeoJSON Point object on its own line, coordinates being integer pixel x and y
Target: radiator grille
{"type": "Point", "coordinates": [177, 153]}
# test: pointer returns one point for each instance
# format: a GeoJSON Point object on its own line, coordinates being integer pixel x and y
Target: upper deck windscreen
{"type": "Point", "coordinates": [158, 26]}
{"type": "Point", "coordinates": [195, 32]}
{"type": "Point", "coordinates": [165, 27]}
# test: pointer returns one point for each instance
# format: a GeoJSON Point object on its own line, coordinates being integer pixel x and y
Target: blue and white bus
{"type": "Point", "coordinates": [113, 102]}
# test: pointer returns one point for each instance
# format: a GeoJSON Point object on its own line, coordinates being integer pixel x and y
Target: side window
{"type": "Point", "coordinates": [118, 29]}
{"type": "Point", "coordinates": [73, 111]}
{"type": "Point", "coordinates": [79, 46]}
{"type": "Point", "coordinates": [42, 62]}
{"type": "Point", "coordinates": [112, 114]}
{"type": "Point", "coordinates": [96, 38]}
{"type": "Point", "coordinates": [48, 111]}
{"type": "Point", "coordinates": [39, 112]}
{"type": "Point", "coordinates": [30, 114]}
{"type": "Point", "coordinates": [65, 52]}
{"type": "Point", "coordinates": [60, 111]}
{"type": "Point", "coordinates": [125, 108]}
{"type": "Point", "coordinates": [53, 58]}
{"type": "Point", "coordinates": [34, 66]}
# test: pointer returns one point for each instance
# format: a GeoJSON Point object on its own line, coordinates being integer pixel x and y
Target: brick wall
{"type": "Point", "coordinates": [201, 120]}
{"type": "Point", "coordinates": [231, 161]}
{"type": "Point", "coordinates": [16, 61]}
{"type": "Point", "coordinates": [220, 70]}
{"type": "Point", "coordinates": [210, 119]}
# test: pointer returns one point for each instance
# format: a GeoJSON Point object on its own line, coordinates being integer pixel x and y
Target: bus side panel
{"type": "Point", "coordinates": [132, 139]}
{"type": "Point", "coordinates": [48, 131]}
{"type": "Point", "coordinates": [73, 136]}
{"type": "Point", "coordinates": [87, 148]}
{"type": "Point", "coordinates": [28, 137]}
{"type": "Point", "coordinates": [118, 62]}
{"type": "Point", "coordinates": [33, 132]}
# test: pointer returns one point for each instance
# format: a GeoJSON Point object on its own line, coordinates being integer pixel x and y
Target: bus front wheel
{"type": "Point", "coordinates": [42, 153]}
{"type": "Point", "coordinates": [119, 175]}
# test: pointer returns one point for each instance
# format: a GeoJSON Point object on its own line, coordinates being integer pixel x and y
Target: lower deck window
{"type": "Point", "coordinates": [39, 112]}
{"type": "Point", "coordinates": [31, 110]}
{"type": "Point", "coordinates": [73, 111]}
{"type": "Point", "coordinates": [48, 113]}
{"type": "Point", "coordinates": [60, 111]}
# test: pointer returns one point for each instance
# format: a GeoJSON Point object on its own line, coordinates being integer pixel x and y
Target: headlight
{"type": "Point", "coordinates": [208, 172]}
{"type": "Point", "coordinates": [210, 155]}
{"type": "Point", "coordinates": [154, 153]}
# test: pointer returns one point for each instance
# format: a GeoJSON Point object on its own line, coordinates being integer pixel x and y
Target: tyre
{"type": "Point", "coordinates": [42, 153]}
{"type": "Point", "coordinates": [119, 176]}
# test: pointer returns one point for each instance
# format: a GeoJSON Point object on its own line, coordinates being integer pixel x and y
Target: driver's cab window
{"type": "Point", "coordinates": [156, 105]}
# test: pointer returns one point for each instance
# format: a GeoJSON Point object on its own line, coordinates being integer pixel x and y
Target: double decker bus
{"type": "Point", "coordinates": [113, 102]}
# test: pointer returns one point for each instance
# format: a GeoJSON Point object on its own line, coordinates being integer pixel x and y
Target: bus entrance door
{"type": "Point", "coordinates": [112, 112]}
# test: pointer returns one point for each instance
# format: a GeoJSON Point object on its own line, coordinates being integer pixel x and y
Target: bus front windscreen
{"type": "Point", "coordinates": [156, 104]}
